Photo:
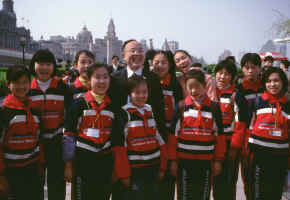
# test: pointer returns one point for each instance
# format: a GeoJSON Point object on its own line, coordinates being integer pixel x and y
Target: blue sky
{"type": "Point", "coordinates": [203, 27]}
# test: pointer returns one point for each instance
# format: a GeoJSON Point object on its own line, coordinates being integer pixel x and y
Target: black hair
{"type": "Point", "coordinates": [86, 52]}
{"type": "Point", "coordinates": [15, 72]}
{"type": "Point", "coordinates": [114, 56]}
{"type": "Point", "coordinates": [125, 44]}
{"type": "Point", "coordinates": [148, 56]}
{"type": "Point", "coordinates": [197, 65]}
{"type": "Point", "coordinates": [195, 74]}
{"type": "Point", "coordinates": [254, 58]}
{"type": "Point", "coordinates": [182, 51]}
{"type": "Point", "coordinates": [231, 58]}
{"type": "Point", "coordinates": [93, 67]}
{"type": "Point", "coordinates": [42, 56]}
{"type": "Point", "coordinates": [285, 62]}
{"type": "Point", "coordinates": [134, 81]}
{"type": "Point", "coordinates": [269, 58]}
{"type": "Point", "coordinates": [282, 76]}
{"type": "Point", "coordinates": [229, 66]}
{"type": "Point", "coordinates": [170, 59]}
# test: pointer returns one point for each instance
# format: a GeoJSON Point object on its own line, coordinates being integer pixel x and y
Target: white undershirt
{"type": "Point", "coordinates": [43, 85]}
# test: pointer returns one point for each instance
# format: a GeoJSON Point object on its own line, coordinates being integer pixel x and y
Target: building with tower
{"type": "Point", "coordinates": [102, 48]}
{"type": "Point", "coordinates": [170, 46]}
{"type": "Point", "coordinates": [10, 34]}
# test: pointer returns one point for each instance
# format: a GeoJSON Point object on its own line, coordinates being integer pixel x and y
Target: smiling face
{"type": "Point", "coordinates": [195, 88]}
{"type": "Point", "coordinates": [20, 87]}
{"type": "Point", "coordinates": [160, 65]}
{"type": "Point", "coordinates": [274, 84]}
{"type": "Point", "coordinates": [223, 78]}
{"type": "Point", "coordinates": [182, 61]}
{"type": "Point", "coordinates": [82, 65]}
{"type": "Point", "coordinates": [43, 70]}
{"type": "Point", "coordinates": [139, 95]}
{"type": "Point", "coordinates": [100, 81]}
{"type": "Point", "coordinates": [133, 54]}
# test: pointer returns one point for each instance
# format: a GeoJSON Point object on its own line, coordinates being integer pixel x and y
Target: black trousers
{"type": "Point", "coordinates": [24, 182]}
{"type": "Point", "coordinates": [167, 185]}
{"type": "Point", "coordinates": [225, 184]}
{"type": "Point", "coordinates": [93, 176]}
{"type": "Point", "coordinates": [194, 180]}
{"type": "Point", "coordinates": [267, 176]}
{"type": "Point", "coordinates": [54, 165]}
{"type": "Point", "coordinates": [144, 184]}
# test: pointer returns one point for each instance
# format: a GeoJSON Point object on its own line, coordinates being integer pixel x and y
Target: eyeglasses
{"type": "Point", "coordinates": [141, 50]}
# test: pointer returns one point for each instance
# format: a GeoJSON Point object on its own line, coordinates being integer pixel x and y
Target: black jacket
{"type": "Point", "coordinates": [119, 92]}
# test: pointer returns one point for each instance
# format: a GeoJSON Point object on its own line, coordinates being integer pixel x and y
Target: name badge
{"type": "Point", "coordinates": [276, 132]}
{"type": "Point", "coordinates": [92, 132]}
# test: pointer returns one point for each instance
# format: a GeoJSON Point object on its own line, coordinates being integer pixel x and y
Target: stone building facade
{"type": "Point", "coordinates": [10, 34]}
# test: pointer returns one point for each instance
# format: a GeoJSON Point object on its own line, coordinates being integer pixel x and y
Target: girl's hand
{"type": "Point", "coordinates": [173, 168]}
{"type": "Point", "coordinates": [4, 188]}
{"type": "Point", "coordinates": [68, 172]}
{"type": "Point", "coordinates": [233, 153]}
{"type": "Point", "coordinates": [216, 168]}
{"type": "Point", "coordinates": [114, 176]}
{"type": "Point", "coordinates": [41, 172]}
{"type": "Point", "coordinates": [126, 181]}
{"type": "Point", "coordinates": [161, 175]}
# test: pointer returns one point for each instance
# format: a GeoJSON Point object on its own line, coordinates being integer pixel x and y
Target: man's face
{"type": "Point", "coordinates": [115, 61]}
{"type": "Point", "coordinates": [268, 64]}
{"type": "Point", "coordinates": [133, 54]}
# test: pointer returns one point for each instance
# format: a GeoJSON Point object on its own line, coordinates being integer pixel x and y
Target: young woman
{"type": "Point", "coordinates": [197, 141]}
{"type": "Point", "coordinates": [269, 137]}
{"type": "Point", "coordinates": [250, 88]}
{"type": "Point", "coordinates": [21, 152]}
{"type": "Point", "coordinates": [140, 156]}
{"type": "Point", "coordinates": [234, 116]}
{"type": "Point", "coordinates": [89, 128]}
{"type": "Point", "coordinates": [183, 63]}
{"type": "Point", "coordinates": [81, 85]}
{"type": "Point", "coordinates": [163, 65]}
{"type": "Point", "coordinates": [50, 98]}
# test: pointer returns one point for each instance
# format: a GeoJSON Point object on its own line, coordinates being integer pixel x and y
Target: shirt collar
{"type": "Point", "coordinates": [138, 72]}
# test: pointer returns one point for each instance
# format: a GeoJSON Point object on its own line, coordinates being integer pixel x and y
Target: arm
{"type": "Point", "coordinates": [220, 147]}
{"type": "Point", "coordinates": [240, 120]}
{"type": "Point", "coordinates": [121, 162]}
{"type": "Point", "coordinates": [156, 100]}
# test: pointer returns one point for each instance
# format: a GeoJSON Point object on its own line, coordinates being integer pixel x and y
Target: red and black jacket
{"type": "Point", "coordinates": [250, 91]}
{"type": "Point", "coordinates": [83, 116]}
{"type": "Point", "coordinates": [50, 105]}
{"type": "Point", "coordinates": [79, 89]}
{"type": "Point", "coordinates": [233, 107]}
{"type": "Point", "coordinates": [271, 122]}
{"type": "Point", "coordinates": [198, 132]}
{"type": "Point", "coordinates": [140, 143]}
{"type": "Point", "coordinates": [172, 93]}
{"type": "Point", "coordinates": [19, 144]}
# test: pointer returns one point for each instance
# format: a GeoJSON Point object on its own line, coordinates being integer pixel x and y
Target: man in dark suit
{"type": "Point", "coordinates": [133, 54]}
{"type": "Point", "coordinates": [115, 65]}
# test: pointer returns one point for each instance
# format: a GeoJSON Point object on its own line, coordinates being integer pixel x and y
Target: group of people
{"type": "Point", "coordinates": [137, 132]}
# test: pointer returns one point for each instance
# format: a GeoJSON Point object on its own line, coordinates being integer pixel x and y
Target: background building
{"type": "Point", "coordinates": [10, 34]}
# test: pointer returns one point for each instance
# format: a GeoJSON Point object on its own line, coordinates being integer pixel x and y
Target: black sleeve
{"type": "Point", "coordinates": [156, 100]}
{"type": "Point", "coordinates": [217, 115]}
{"type": "Point", "coordinates": [119, 123]}
{"type": "Point", "coordinates": [178, 92]}
{"type": "Point", "coordinates": [242, 107]}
